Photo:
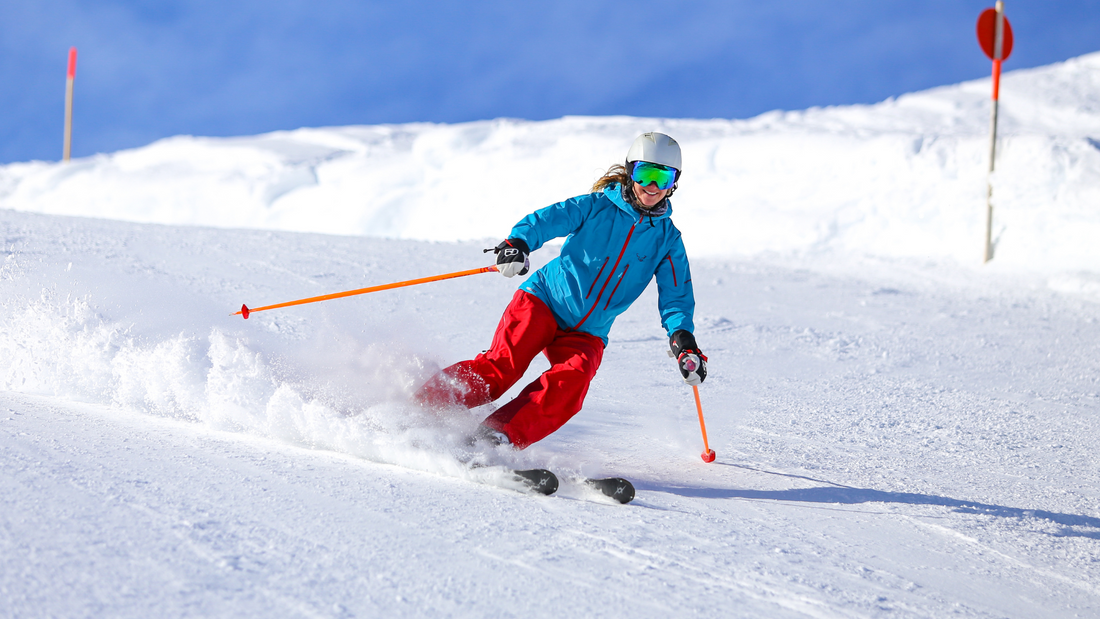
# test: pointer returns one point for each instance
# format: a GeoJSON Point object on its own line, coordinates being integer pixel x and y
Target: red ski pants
{"type": "Point", "coordinates": [526, 329]}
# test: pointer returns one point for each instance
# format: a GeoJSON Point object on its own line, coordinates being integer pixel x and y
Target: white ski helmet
{"type": "Point", "coordinates": [656, 148]}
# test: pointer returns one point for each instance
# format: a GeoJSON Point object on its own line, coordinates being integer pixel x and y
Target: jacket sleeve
{"type": "Point", "coordinates": [554, 221]}
{"type": "Point", "coordinates": [675, 296]}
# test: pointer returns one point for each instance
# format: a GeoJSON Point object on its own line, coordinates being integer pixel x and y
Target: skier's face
{"type": "Point", "coordinates": [649, 195]}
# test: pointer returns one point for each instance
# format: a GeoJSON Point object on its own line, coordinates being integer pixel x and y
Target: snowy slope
{"type": "Point", "coordinates": [905, 177]}
{"type": "Point", "coordinates": [898, 434]}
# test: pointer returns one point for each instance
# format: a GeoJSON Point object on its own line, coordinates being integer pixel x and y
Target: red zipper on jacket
{"type": "Point", "coordinates": [609, 276]}
{"type": "Point", "coordinates": [597, 278]}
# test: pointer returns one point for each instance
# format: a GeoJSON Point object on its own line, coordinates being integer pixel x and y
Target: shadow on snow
{"type": "Point", "coordinates": [846, 495]}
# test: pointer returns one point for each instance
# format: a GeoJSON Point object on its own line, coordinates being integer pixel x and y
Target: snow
{"type": "Point", "coordinates": [901, 431]}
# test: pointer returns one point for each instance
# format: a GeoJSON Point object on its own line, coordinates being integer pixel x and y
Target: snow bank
{"type": "Point", "coordinates": [903, 178]}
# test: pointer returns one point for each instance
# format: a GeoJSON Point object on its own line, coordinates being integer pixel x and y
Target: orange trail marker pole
{"type": "Point", "coordinates": [245, 311]}
{"type": "Point", "coordinates": [65, 152]}
{"type": "Point", "coordinates": [708, 453]}
{"type": "Point", "coordinates": [995, 38]}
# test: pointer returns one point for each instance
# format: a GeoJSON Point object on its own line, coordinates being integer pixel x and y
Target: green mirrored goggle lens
{"type": "Point", "coordinates": [645, 173]}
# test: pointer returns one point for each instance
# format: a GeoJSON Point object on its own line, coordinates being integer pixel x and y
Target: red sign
{"type": "Point", "coordinates": [987, 25]}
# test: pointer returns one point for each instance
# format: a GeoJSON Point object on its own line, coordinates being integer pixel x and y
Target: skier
{"type": "Point", "coordinates": [618, 238]}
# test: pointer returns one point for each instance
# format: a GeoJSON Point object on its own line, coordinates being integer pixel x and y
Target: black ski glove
{"type": "Point", "coordinates": [512, 257]}
{"type": "Point", "coordinates": [692, 361]}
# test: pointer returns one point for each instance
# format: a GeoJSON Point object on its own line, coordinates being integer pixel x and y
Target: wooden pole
{"type": "Point", "coordinates": [67, 151]}
{"type": "Point", "coordinates": [998, 49]}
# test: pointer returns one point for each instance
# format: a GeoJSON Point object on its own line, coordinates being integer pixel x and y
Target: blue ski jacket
{"type": "Point", "coordinates": [610, 255]}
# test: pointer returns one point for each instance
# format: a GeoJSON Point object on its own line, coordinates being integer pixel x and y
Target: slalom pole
{"type": "Point", "coordinates": [708, 453]}
{"type": "Point", "coordinates": [245, 311]}
{"type": "Point", "coordinates": [70, 77]}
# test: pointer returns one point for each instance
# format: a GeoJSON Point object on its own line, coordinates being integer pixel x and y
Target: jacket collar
{"type": "Point", "coordinates": [615, 194]}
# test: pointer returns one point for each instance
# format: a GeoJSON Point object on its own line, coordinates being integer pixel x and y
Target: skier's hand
{"type": "Point", "coordinates": [691, 360]}
{"type": "Point", "coordinates": [512, 257]}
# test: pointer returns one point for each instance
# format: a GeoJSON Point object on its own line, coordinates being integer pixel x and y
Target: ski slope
{"type": "Point", "coordinates": [900, 431]}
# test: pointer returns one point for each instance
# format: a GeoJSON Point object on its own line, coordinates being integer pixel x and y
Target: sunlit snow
{"type": "Point", "coordinates": [901, 430]}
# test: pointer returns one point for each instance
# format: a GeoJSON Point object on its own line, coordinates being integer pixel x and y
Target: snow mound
{"type": "Point", "coordinates": [902, 178]}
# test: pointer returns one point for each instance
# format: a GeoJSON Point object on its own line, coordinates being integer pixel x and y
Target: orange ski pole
{"type": "Point", "coordinates": [245, 311]}
{"type": "Point", "coordinates": [708, 453]}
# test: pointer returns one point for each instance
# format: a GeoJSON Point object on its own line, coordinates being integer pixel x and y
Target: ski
{"type": "Point", "coordinates": [541, 481]}
{"type": "Point", "coordinates": [617, 488]}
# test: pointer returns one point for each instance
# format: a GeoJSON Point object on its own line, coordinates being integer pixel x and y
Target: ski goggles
{"type": "Point", "coordinates": [645, 173]}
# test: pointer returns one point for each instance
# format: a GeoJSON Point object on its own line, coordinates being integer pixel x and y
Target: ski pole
{"type": "Point", "coordinates": [245, 311]}
{"type": "Point", "coordinates": [708, 453]}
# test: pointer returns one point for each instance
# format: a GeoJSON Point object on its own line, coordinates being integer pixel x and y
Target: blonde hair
{"type": "Point", "coordinates": [615, 174]}
{"type": "Point", "coordinates": [619, 174]}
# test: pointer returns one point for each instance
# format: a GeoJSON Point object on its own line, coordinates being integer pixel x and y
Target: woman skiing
{"type": "Point", "coordinates": [618, 239]}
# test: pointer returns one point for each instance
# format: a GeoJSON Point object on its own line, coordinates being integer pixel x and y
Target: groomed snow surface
{"type": "Point", "coordinates": [901, 431]}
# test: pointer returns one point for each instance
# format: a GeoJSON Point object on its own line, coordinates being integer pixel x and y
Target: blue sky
{"type": "Point", "coordinates": [150, 69]}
